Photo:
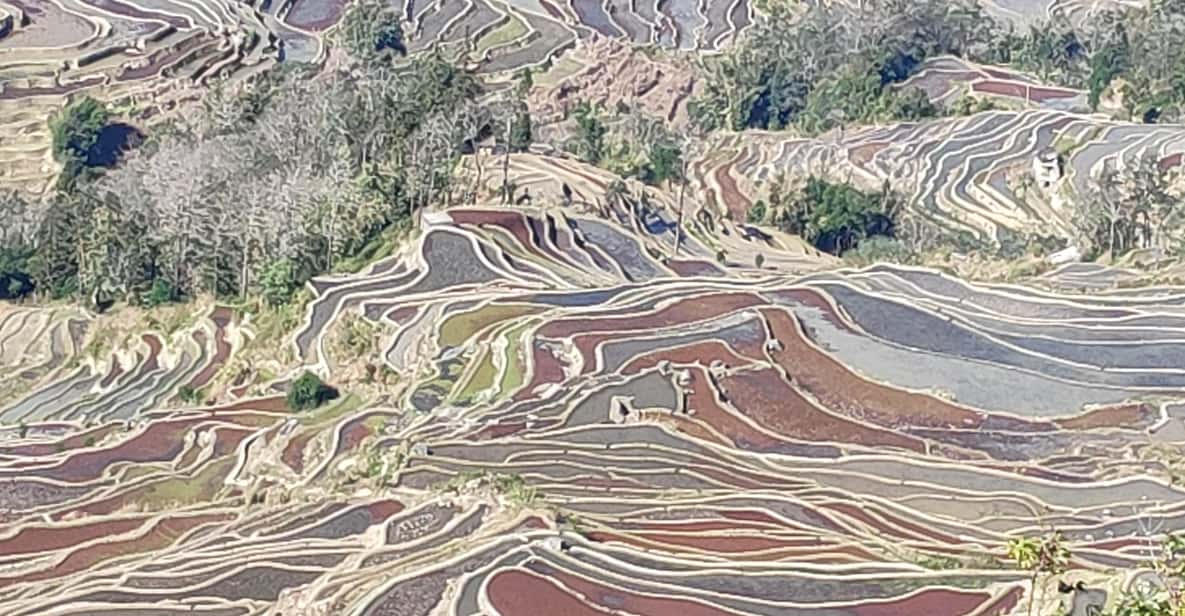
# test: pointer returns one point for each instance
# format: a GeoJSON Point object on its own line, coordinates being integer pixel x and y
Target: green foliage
{"type": "Point", "coordinates": [280, 280]}
{"type": "Point", "coordinates": [75, 132]}
{"type": "Point", "coordinates": [371, 32]}
{"type": "Point", "coordinates": [836, 217]}
{"type": "Point", "coordinates": [1105, 65]}
{"type": "Point", "coordinates": [665, 163]}
{"type": "Point", "coordinates": [54, 266]}
{"type": "Point", "coordinates": [160, 293]}
{"type": "Point", "coordinates": [521, 130]}
{"type": "Point", "coordinates": [759, 261]}
{"type": "Point", "coordinates": [1141, 604]}
{"type": "Point", "coordinates": [1052, 51]}
{"type": "Point", "coordinates": [1047, 555]}
{"type": "Point", "coordinates": [16, 279]}
{"type": "Point", "coordinates": [857, 94]}
{"type": "Point", "coordinates": [757, 213]}
{"type": "Point", "coordinates": [590, 133]}
{"type": "Point", "coordinates": [971, 105]}
{"type": "Point", "coordinates": [512, 487]}
{"type": "Point", "coordinates": [308, 392]}
{"type": "Point", "coordinates": [189, 395]}
{"type": "Point", "coordinates": [880, 249]}
{"type": "Point", "coordinates": [835, 64]}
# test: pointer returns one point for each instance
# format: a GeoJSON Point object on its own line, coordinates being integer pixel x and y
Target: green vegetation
{"type": "Point", "coordinates": [834, 217]}
{"type": "Point", "coordinates": [589, 142]}
{"type": "Point", "coordinates": [1130, 208]}
{"type": "Point", "coordinates": [757, 213]}
{"type": "Point", "coordinates": [835, 64]}
{"type": "Point", "coordinates": [371, 32]}
{"type": "Point", "coordinates": [880, 249]}
{"type": "Point", "coordinates": [189, 395]}
{"type": "Point", "coordinates": [262, 188]}
{"type": "Point", "coordinates": [512, 487]}
{"type": "Point", "coordinates": [665, 164]}
{"type": "Point", "coordinates": [1040, 556]}
{"type": "Point", "coordinates": [521, 130]}
{"type": "Point", "coordinates": [1169, 564]}
{"type": "Point", "coordinates": [308, 392]}
{"type": "Point", "coordinates": [16, 280]}
{"type": "Point", "coordinates": [76, 131]}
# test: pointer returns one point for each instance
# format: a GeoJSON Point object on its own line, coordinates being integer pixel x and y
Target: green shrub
{"type": "Point", "coordinates": [880, 249]}
{"type": "Point", "coordinates": [279, 282]}
{"type": "Point", "coordinates": [756, 214]}
{"type": "Point", "coordinates": [16, 279]}
{"type": "Point", "coordinates": [160, 293]}
{"type": "Point", "coordinates": [189, 395]}
{"type": "Point", "coordinates": [309, 392]}
{"type": "Point", "coordinates": [75, 132]}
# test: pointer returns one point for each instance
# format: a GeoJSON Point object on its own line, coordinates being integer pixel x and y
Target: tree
{"type": "Point", "coordinates": [1045, 555]}
{"type": "Point", "coordinates": [16, 281]}
{"type": "Point", "coordinates": [371, 32]}
{"type": "Point", "coordinates": [756, 214]}
{"type": "Point", "coordinates": [1130, 207]}
{"type": "Point", "coordinates": [665, 163]}
{"type": "Point", "coordinates": [279, 281]}
{"type": "Point", "coordinates": [521, 132]}
{"type": "Point", "coordinates": [54, 266]}
{"type": "Point", "coordinates": [796, 67]}
{"type": "Point", "coordinates": [308, 392]}
{"type": "Point", "coordinates": [75, 135]}
{"type": "Point", "coordinates": [836, 217]}
{"type": "Point", "coordinates": [278, 182]}
{"type": "Point", "coordinates": [590, 133]}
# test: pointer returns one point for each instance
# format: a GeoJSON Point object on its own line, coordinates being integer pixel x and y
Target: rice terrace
{"type": "Point", "coordinates": [592, 307]}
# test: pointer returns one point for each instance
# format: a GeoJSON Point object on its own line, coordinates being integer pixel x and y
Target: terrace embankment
{"type": "Point", "coordinates": [639, 438]}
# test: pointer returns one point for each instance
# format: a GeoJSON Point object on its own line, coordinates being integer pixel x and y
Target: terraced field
{"type": "Point", "coordinates": [970, 174]}
{"type": "Point", "coordinates": [583, 423]}
{"type": "Point", "coordinates": [145, 57]}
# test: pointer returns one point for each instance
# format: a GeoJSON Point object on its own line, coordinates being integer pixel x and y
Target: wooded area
{"type": "Point", "coordinates": [258, 190]}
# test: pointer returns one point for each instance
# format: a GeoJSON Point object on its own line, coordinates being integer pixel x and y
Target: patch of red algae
{"type": "Point", "coordinates": [1004, 605]}
{"type": "Point", "coordinates": [73, 442]}
{"type": "Point", "coordinates": [508, 220]}
{"type": "Point", "coordinates": [704, 353]}
{"type": "Point", "coordinates": [293, 454]}
{"type": "Point", "coordinates": [634, 603]}
{"type": "Point", "coordinates": [1123, 416]}
{"type": "Point", "coordinates": [765, 397]}
{"type": "Point", "coordinates": [899, 525]}
{"type": "Point", "coordinates": [518, 593]}
{"type": "Point", "coordinates": [49, 538]}
{"type": "Point", "coordinates": [270, 403]}
{"type": "Point", "coordinates": [115, 371]}
{"type": "Point", "coordinates": [841, 390]}
{"type": "Point", "coordinates": [702, 399]}
{"type": "Point", "coordinates": [383, 509]}
{"type": "Point", "coordinates": [221, 317]}
{"type": "Point", "coordinates": [160, 441]}
{"type": "Point", "coordinates": [691, 310]}
{"type": "Point", "coordinates": [729, 544]}
{"type": "Point", "coordinates": [695, 525]}
{"type": "Point", "coordinates": [936, 601]}
{"type": "Point", "coordinates": [545, 368]}
{"type": "Point", "coordinates": [499, 430]}
{"type": "Point", "coordinates": [693, 268]}
{"type": "Point", "coordinates": [734, 200]}
{"type": "Point", "coordinates": [161, 535]}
